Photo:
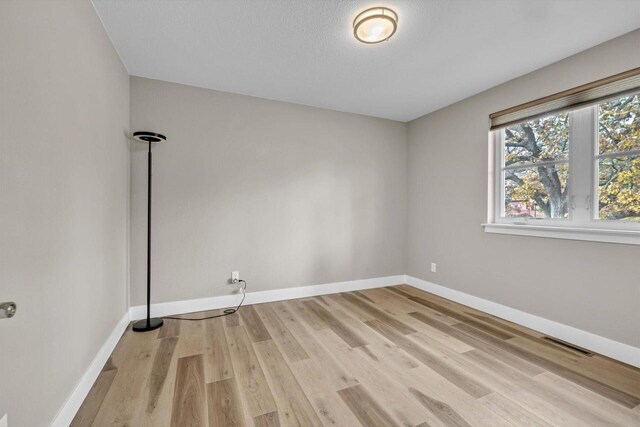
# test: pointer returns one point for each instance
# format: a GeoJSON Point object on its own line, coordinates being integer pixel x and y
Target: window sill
{"type": "Point", "coordinates": [627, 237]}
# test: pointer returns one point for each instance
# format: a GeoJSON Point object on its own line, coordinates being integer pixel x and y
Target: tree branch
{"type": "Point", "coordinates": [608, 132]}
{"type": "Point", "coordinates": [543, 205]}
{"type": "Point", "coordinates": [517, 159]}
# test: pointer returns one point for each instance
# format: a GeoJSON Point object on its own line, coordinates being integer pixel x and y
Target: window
{"type": "Point", "coordinates": [618, 159]}
{"type": "Point", "coordinates": [570, 174]}
{"type": "Point", "coordinates": [535, 168]}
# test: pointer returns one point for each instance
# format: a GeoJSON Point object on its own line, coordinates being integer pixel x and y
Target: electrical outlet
{"type": "Point", "coordinates": [433, 267]}
{"type": "Point", "coordinates": [235, 276]}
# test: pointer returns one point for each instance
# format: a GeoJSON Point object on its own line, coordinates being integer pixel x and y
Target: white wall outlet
{"type": "Point", "coordinates": [434, 267]}
{"type": "Point", "coordinates": [235, 276]}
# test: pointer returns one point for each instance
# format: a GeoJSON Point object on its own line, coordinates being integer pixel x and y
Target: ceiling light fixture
{"type": "Point", "coordinates": [375, 25]}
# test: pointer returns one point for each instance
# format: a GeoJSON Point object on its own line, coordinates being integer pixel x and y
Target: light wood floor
{"type": "Point", "coordinates": [385, 357]}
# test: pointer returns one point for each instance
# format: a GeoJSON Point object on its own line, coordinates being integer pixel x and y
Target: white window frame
{"type": "Point", "coordinates": [582, 222]}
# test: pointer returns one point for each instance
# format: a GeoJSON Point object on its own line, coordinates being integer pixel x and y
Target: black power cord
{"type": "Point", "coordinates": [226, 312]}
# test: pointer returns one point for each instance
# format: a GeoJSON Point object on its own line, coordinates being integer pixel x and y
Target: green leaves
{"type": "Point", "coordinates": [619, 176]}
{"type": "Point", "coordinates": [543, 189]}
{"type": "Point", "coordinates": [535, 188]}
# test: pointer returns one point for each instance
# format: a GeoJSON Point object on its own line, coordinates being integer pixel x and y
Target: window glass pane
{"type": "Point", "coordinates": [537, 140]}
{"type": "Point", "coordinates": [619, 188]}
{"type": "Point", "coordinates": [619, 125]}
{"type": "Point", "coordinates": [537, 192]}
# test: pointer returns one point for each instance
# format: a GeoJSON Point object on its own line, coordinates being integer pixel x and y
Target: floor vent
{"type": "Point", "coordinates": [565, 344]}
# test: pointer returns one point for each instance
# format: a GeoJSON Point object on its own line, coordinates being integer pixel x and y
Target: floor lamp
{"type": "Point", "coordinates": [148, 324]}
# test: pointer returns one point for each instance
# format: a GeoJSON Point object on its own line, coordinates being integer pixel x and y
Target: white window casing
{"type": "Point", "coordinates": [582, 222]}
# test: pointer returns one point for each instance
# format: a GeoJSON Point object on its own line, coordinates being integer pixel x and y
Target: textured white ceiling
{"type": "Point", "coordinates": [303, 51]}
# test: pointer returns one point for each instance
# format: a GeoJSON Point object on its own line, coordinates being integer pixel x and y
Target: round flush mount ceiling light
{"type": "Point", "coordinates": [375, 25]}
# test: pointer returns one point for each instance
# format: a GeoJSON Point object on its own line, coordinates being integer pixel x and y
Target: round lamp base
{"type": "Point", "coordinates": [143, 326]}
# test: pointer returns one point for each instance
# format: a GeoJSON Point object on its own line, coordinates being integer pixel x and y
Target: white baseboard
{"type": "Point", "coordinates": [605, 346]}
{"type": "Point", "coordinates": [71, 406]}
{"type": "Point", "coordinates": [189, 306]}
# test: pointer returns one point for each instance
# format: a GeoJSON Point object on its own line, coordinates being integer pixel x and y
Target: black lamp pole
{"type": "Point", "coordinates": [148, 324]}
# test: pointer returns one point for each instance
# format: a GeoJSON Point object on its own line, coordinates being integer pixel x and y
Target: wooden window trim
{"type": "Point", "coordinates": [579, 96]}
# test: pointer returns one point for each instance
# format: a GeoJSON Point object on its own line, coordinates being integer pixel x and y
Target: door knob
{"type": "Point", "coordinates": [7, 309]}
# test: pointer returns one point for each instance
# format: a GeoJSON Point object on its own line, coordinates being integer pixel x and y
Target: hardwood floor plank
{"type": "Point", "coordinates": [440, 409]}
{"type": "Point", "coordinates": [251, 379]}
{"type": "Point", "coordinates": [465, 310]}
{"type": "Point", "coordinates": [514, 361]}
{"type": "Point", "coordinates": [218, 364]}
{"type": "Point", "coordinates": [306, 314]}
{"type": "Point", "coordinates": [232, 320]}
{"type": "Point", "coordinates": [359, 327]}
{"type": "Point", "coordinates": [399, 403]}
{"type": "Point", "coordinates": [378, 314]}
{"type": "Point", "coordinates": [399, 291]}
{"type": "Point", "coordinates": [547, 351]}
{"type": "Point", "coordinates": [614, 413]}
{"type": "Point", "coordinates": [510, 327]}
{"type": "Point", "coordinates": [576, 363]}
{"type": "Point", "coordinates": [597, 367]}
{"type": "Point", "coordinates": [392, 304]}
{"type": "Point", "coordinates": [254, 326]}
{"type": "Point", "coordinates": [321, 299]}
{"type": "Point", "coordinates": [605, 390]}
{"type": "Point", "coordinates": [458, 378]}
{"type": "Point", "coordinates": [170, 328]}
{"type": "Point", "coordinates": [365, 408]}
{"type": "Point", "coordinates": [189, 398]}
{"type": "Point", "coordinates": [293, 406]}
{"type": "Point", "coordinates": [192, 339]}
{"type": "Point", "coordinates": [430, 383]}
{"type": "Point", "coordinates": [531, 394]}
{"type": "Point", "coordinates": [159, 370]}
{"type": "Point", "coordinates": [286, 341]}
{"type": "Point", "coordinates": [327, 302]}
{"type": "Point", "coordinates": [522, 334]}
{"type": "Point", "coordinates": [512, 412]}
{"type": "Point", "coordinates": [321, 389]}
{"type": "Point", "coordinates": [158, 414]}
{"type": "Point", "coordinates": [225, 407]}
{"type": "Point", "coordinates": [335, 325]}
{"type": "Point", "coordinates": [614, 373]}
{"type": "Point", "coordinates": [391, 352]}
{"type": "Point", "coordinates": [402, 376]}
{"type": "Point", "coordinates": [267, 420]}
{"type": "Point", "coordinates": [89, 408]}
{"type": "Point", "coordinates": [331, 368]}
{"type": "Point", "coordinates": [362, 296]}
{"type": "Point", "coordinates": [198, 315]}
{"type": "Point", "coordinates": [345, 306]}
{"type": "Point", "coordinates": [133, 361]}
{"type": "Point", "coordinates": [463, 318]}
{"type": "Point", "coordinates": [441, 317]}
{"type": "Point", "coordinates": [429, 335]}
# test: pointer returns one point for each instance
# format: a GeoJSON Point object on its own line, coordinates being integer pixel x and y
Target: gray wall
{"type": "Point", "coordinates": [286, 194]}
{"type": "Point", "coordinates": [64, 112]}
{"type": "Point", "coordinates": [591, 286]}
